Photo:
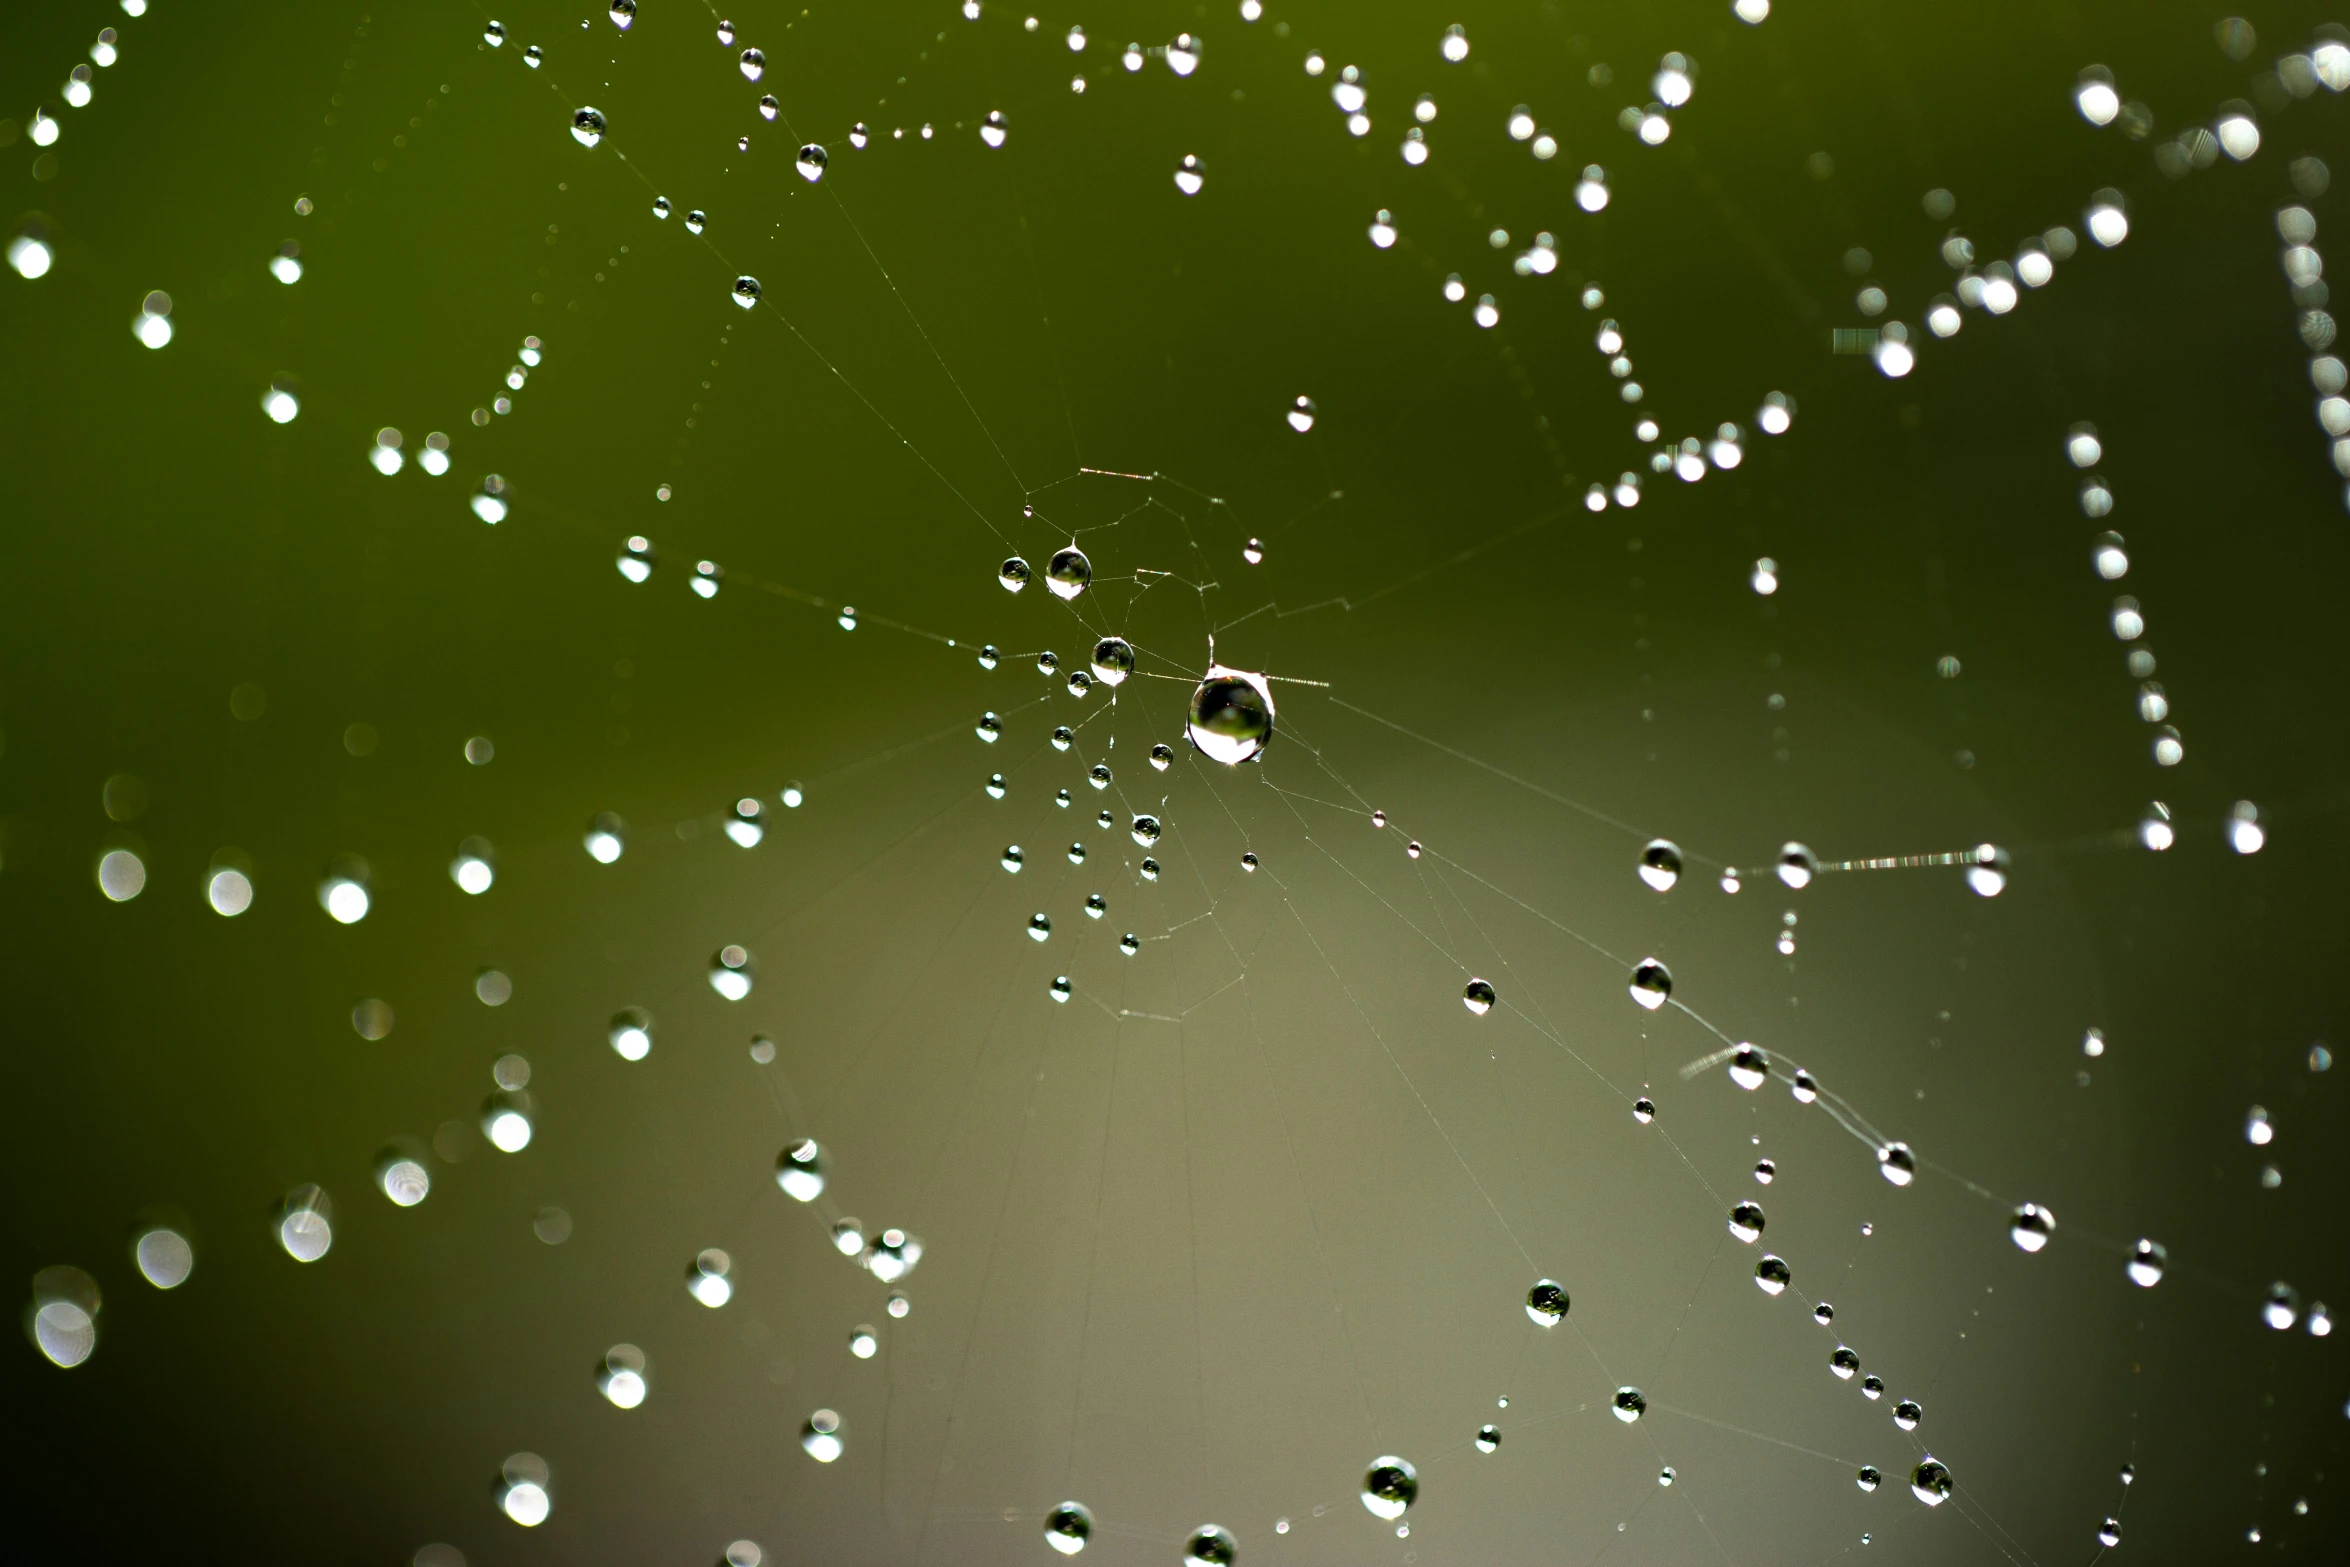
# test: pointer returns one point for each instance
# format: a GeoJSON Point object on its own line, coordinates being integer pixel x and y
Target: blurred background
{"type": "Point", "coordinates": [369, 817]}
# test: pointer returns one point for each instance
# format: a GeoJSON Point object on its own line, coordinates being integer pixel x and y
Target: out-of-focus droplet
{"type": "Point", "coordinates": [1301, 414]}
{"type": "Point", "coordinates": [63, 1320]}
{"type": "Point", "coordinates": [994, 130]}
{"type": "Point", "coordinates": [1797, 865]}
{"type": "Point", "coordinates": [730, 972]}
{"type": "Point", "coordinates": [630, 1033]}
{"type": "Point", "coordinates": [305, 1224]}
{"type": "Point", "coordinates": [799, 1170]}
{"type": "Point", "coordinates": [523, 1493]}
{"type": "Point", "coordinates": [1897, 1164]}
{"type": "Point", "coordinates": [706, 1278]}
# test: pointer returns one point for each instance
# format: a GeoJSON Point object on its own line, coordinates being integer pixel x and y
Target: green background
{"type": "Point", "coordinates": [1197, 1270]}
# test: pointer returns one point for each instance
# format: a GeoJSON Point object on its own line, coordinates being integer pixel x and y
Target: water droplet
{"type": "Point", "coordinates": [631, 1033]}
{"type": "Point", "coordinates": [1477, 996]}
{"type": "Point", "coordinates": [1631, 1404]}
{"type": "Point", "coordinates": [1067, 1527]}
{"type": "Point", "coordinates": [587, 126]}
{"type": "Point", "coordinates": [1872, 1387]}
{"type": "Point", "coordinates": [1844, 1363]}
{"type": "Point", "coordinates": [1113, 660]}
{"type": "Point", "coordinates": [1390, 1487]}
{"type": "Point", "coordinates": [799, 1170]}
{"type": "Point", "coordinates": [1652, 983]}
{"type": "Point", "coordinates": [696, 220]}
{"type": "Point", "coordinates": [2147, 1261]}
{"type": "Point", "coordinates": [534, 56]}
{"type": "Point", "coordinates": [768, 107]}
{"type": "Point", "coordinates": [1546, 1303]}
{"type": "Point", "coordinates": [1748, 1067]}
{"type": "Point", "coordinates": [1146, 830]}
{"type": "Point", "coordinates": [1248, 860]}
{"type": "Point", "coordinates": [821, 1436]}
{"type": "Point", "coordinates": [1930, 1482]}
{"type": "Point", "coordinates": [993, 132]}
{"type": "Point", "coordinates": [988, 727]}
{"type": "Point", "coordinates": [1771, 1275]}
{"type": "Point", "coordinates": [1231, 716]}
{"type": "Point", "coordinates": [812, 162]}
{"type": "Point", "coordinates": [1869, 1477]}
{"type": "Point", "coordinates": [1765, 1171]}
{"type": "Point", "coordinates": [1488, 1438]}
{"type": "Point", "coordinates": [754, 64]}
{"type": "Point", "coordinates": [1210, 1545]}
{"type": "Point", "coordinates": [1823, 1313]}
{"type": "Point", "coordinates": [1644, 1110]}
{"type": "Point", "coordinates": [1805, 1088]}
{"type": "Point", "coordinates": [746, 291]}
{"type": "Point", "coordinates": [1301, 414]}
{"type": "Point", "coordinates": [1660, 863]}
{"type": "Point", "coordinates": [2031, 1227]}
{"type": "Point", "coordinates": [1897, 1164]}
{"type": "Point", "coordinates": [1797, 865]}
{"type": "Point", "coordinates": [1063, 737]}
{"type": "Point", "coordinates": [1079, 682]}
{"type": "Point", "coordinates": [2282, 1307]}
{"type": "Point", "coordinates": [1129, 944]}
{"type": "Point", "coordinates": [1907, 1414]}
{"type": "Point", "coordinates": [898, 1305]}
{"type": "Point", "coordinates": [1412, 849]}
{"type": "Point", "coordinates": [1746, 1222]}
{"type": "Point", "coordinates": [494, 34]}
{"type": "Point", "coordinates": [1039, 926]}
{"type": "Point", "coordinates": [725, 34]}
{"type": "Point", "coordinates": [522, 1489]}
{"type": "Point", "coordinates": [1190, 175]}
{"type": "Point", "coordinates": [1069, 573]}
{"type": "Point", "coordinates": [305, 1226]}
{"type": "Point", "coordinates": [621, 1377]}
{"type": "Point", "coordinates": [1060, 987]}
{"type": "Point", "coordinates": [995, 786]}
{"type": "Point", "coordinates": [1150, 868]}
{"type": "Point", "coordinates": [2109, 1533]}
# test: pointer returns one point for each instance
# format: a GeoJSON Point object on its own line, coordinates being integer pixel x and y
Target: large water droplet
{"type": "Point", "coordinates": [1748, 1067]}
{"type": "Point", "coordinates": [1907, 1414]}
{"type": "Point", "coordinates": [1069, 574]}
{"type": "Point", "coordinates": [1631, 1404]}
{"type": "Point", "coordinates": [1146, 830]}
{"type": "Point", "coordinates": [1746, 1222]}
{"type": "Point", "coordinates": [1897, 1164]}
{"type": "Point", "coordinates": [696, 221]}
{"type": "Point", "coordinates": [1771, 1275]}
{"type": "Point", "coordinates": [1930, 1482]}
{"type": "Point", "coordinates": [1488, 1438]}
{"type": "Point", "coordinates": [1798, 865]}
{"type": "Point", "coordinates": [587, 126]}
{"type": "Point", "coordinates": [1210, 1545]}
{"type": "Point", "coordinates": [1231, 716]}
{"type": "Point", "coordinates": [812, 162]}
{"type": "Point", "coordinates": [746, 291]}
{"type": "Point", "coordinates": [1477, 996]}
{"type": "Point", "coordinates": [799, 1170]}
{"type": "Point", "coordinates": [2031, 1227]}
{"type": "Point", "coordinates": [1013, 574]}
{"type": "Point", "coordinates": [1113, 660]}
{"type": "Point", "coordinates": [1660, 864]}
{"type": "Point", "coordinates": [1844, 1363]}
{"type": "Point", "coordinates": [623, 14]}
{"type": "Point", "coordinates": [1546, 1302]}
{"type": "Point", "coordinates": [1067, 1527]}
{"type": "Point", "coordinates": [1652, 983]}
{"type": "Point", "coordinates": [754, 64]}
{"type": "Point", "coordinates": [1390, 1487]}
{"type": "Point", "coordinates": [1869, 1477]}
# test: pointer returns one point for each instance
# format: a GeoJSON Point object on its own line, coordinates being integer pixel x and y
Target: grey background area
{"type": "Point", "coordinates": [1262, 1202]}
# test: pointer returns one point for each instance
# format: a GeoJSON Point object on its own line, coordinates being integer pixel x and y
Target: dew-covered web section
{"type": "Point", "coordinates": [1188, 868]}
